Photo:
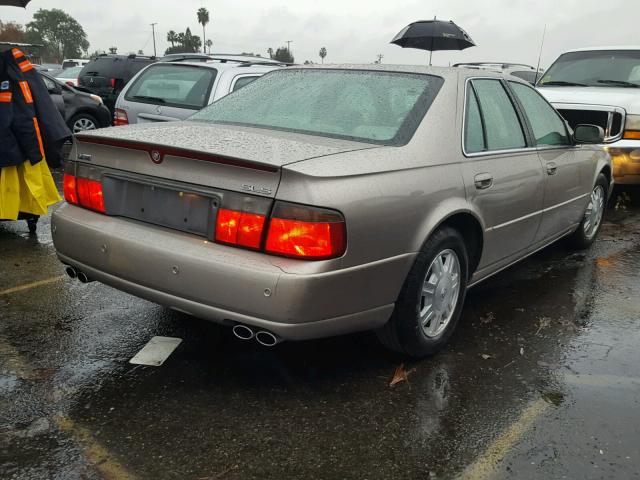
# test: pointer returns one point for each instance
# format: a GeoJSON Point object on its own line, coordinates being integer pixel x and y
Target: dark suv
{"type": "Point", "coordinates": [106, 74]}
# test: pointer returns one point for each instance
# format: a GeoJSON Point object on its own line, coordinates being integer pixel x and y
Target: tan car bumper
{"type": "Point", "coordinates": [225, 284]}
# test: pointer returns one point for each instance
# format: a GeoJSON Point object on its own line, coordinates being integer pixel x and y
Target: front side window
{"type": "Point", "coordinates": [548, 127]}
{"type": "Point", "coordinates": [176, 86]}
{"type": "Point", "coordinates": [502, 126]}
{"type": "Point", "coordinates": [370, 106]}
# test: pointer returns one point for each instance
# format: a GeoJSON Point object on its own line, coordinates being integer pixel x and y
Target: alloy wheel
{"type": "Point", "coordinates": [440, 293]}
{"type": "Point", "coordinates": [83, 124]}
{"type": "Point", "coordinates": [594, 213]}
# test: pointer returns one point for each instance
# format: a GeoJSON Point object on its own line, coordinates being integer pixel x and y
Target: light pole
{"type": "Point", "coordinates": [289, 42]}
{"type": "Point", "coordinates": [153, 31]}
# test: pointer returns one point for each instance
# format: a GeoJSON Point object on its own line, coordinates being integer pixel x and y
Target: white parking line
{"type": "Point", "coordinates": [31, 285]}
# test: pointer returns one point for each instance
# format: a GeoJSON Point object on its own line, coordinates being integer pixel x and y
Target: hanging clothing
{"type": "Point", "coordinates": [26, 184]}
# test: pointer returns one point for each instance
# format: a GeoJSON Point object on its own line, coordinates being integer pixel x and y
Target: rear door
{"type": "Point", "coordinates": [167, 92]}
{"type": "Point", "coordinates": [502, 172]}
{"type": "Point", "coordinates": [567, 177]}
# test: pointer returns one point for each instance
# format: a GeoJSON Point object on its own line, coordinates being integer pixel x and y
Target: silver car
{"type": "Point", "coordinates": [321, 201]}
{"type": "Point", "coordinates": [165, 91]}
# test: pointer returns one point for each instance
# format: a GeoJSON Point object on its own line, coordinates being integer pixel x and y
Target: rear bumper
{"type": "Point", "coordinates": [625, 158]}
{"type": "Point", "coordinates": [225, 284]}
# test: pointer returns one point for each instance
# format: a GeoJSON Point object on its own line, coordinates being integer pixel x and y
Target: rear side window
{"type": "Point", "coordinates": [242, 82]}
{"type": "Point", "coordinates": [179, 86]}
{"type": "Point", "coordinates": [548, 127]}
{"type": "Point", "coordinates": [501, 124]}
{"type": "Point", "coordinates": [473, 129]}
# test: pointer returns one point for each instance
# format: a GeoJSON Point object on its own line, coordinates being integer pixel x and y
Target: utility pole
{"type": "Point", "coordinates": [289, 42]}
{"type": "Point", "coordinates": [153, 30]}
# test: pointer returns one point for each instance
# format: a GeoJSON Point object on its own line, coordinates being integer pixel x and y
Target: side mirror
{"type": "Point", "coordinates": [588, 134]}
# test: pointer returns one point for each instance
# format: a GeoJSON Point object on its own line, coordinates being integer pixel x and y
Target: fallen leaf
{"type": "Point", "coordinates": [400, 375]}
{"type": "Point", "coordinates": [490, 317]}
{"type": "Point", "coordinates": [486, 356]}
{"type": "Point", "coordinates": [603, 262]}
{"type": "Point", "coordinates": [521, 350]}
{"type": "Point", "coordinates": [543, 322]}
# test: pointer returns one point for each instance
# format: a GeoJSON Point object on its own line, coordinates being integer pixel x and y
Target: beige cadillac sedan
{"type": "Point", "coordinates": [321, 201]}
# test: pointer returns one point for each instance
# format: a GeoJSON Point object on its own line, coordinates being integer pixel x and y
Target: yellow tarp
{"type": "Point", "coordinates": [26, 188]}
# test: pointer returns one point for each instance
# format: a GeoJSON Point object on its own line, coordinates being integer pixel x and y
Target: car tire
{"type": "Point", "coordinates": [82, 122]}
{"type": "Point", "coordinates": [591, 223]}
{"type": "Point", "coordinates": [430, 303]}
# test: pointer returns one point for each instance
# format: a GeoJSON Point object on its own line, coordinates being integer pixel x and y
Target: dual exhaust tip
{"type": "Point", "coordinates": [263, 337]}
{"type": "Point", "coordinates": [74, 273]}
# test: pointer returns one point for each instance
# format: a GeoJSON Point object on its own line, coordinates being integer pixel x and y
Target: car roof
{"type": "Point", "coordinates": [612, 47]}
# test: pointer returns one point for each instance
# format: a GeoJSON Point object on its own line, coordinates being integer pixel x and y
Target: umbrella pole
{"type": "Point", "coordinates": [430, 55]}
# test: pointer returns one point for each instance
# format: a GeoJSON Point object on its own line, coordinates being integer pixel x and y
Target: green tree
{"type": "Point", "coordinates": [12, 32]}
{"type": "Point", "coordinates": [185, 42]}
{"type": "Point", "coordinates": [283, 55]}
{"type": "Point", "coordinates": [61, 34]}
{"type": "Point", "coordinates": [203, 19]}
{"type": "Point", "coordinates": [323, 53]}
{"type": "Point", "coordinates": [209, 44]}
{"type": "Point", "coordinates": [270, 52]}
{"type": "Point", "coordinates": [113, 50]}
{"type": "Point", "coordinates": [172, 37]}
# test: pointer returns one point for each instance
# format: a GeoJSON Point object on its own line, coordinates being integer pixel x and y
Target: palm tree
{"type": "Point", "coordinates": [203, 19]}
{"type": "Point", "coordinates": [323, 53]}
{"type": "Point", "coordinates": [209, 44]}
{"type": "Point", "coordinates": [270, 52]}
{"type": "Point", "coordinates": [172, 37]}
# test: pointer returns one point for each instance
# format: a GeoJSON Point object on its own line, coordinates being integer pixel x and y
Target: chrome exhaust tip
{"type": "Point", "coordinates": [83, 277]}
{"type": "Point", "coordinates": [71, 272]}
{"type": "Point", "coordinates": [267, 339]}
{"type": "Point", "coordinates": [243, 332]}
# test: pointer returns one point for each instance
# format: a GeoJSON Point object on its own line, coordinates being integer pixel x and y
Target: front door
{"type": "Point", "coordinates": [502, 173]}
{"type": "Point", "coordinates": [566, 184]}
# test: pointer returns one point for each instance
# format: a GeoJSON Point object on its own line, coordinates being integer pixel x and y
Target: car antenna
{"type": "Point", "coordinates": [544, 32]}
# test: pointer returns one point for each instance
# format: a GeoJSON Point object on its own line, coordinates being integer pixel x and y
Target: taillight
{"type": "Point", "coordinates": [292, 230]}
{"type": "Point", "coordinates": [113, 83]}
{"type": "Point", "coordinates": [70, 189]}
{"type": "Point", "coordinates": [239, 228]}
{"type": "Point", "coordinates": [84, 192]}
{"type": "Point", "coordinates": [306, 232]}
{"type": "Point", "coordinates": [120, 118]}
{"type": "Point", "coordinates": [90, 194]}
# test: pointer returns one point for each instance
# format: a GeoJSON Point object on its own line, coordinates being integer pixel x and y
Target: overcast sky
{"type": "Point", "coordinates": [356, 31]}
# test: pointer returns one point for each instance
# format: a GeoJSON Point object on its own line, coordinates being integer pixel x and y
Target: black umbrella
{"type": "Point", "coordinates": [433, 35]}
{"type": "Point", "coordinates": [15, 3]}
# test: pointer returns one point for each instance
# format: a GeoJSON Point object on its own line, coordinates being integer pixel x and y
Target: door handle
{"type": "Point", "coordinates": [483, 180]}
{"type": "Point", "coordinates": [552, 168]}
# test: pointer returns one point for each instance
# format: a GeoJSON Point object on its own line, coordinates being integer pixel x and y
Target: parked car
{"type": "Point", "coordinates": [205, 57]}
{"type": "Point", "coordinates": [321, 201]}
{"type": "Point", "coordinates": [69, 76]}
{"type": "Point", "coordinates": [601, 86]}
{"type": "Point", "coordinates": [74, 62]}
{"type": "Point", "coordinates": [520, 70]}
{"type": "Point", "coordinates": [106, 75]}
{"type": "Point", "coordinates": [174, 91]}
{"type": "Point", "coordinates": [81, 111]}
{"type": "Point", "coordinates": [48, 67]}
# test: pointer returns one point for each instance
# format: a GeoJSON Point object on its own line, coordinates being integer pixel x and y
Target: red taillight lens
{"type": "Point", "coordinates": [70, 189]}
{"type": "Point", "coordinates": [120, 118]}
{"type": "Point", "coordinates": [90, 194]}
{"type": "Point", "coordinates": [113, 83]}
{"type": "Point", "coordinates": [239, 228]}
{"type": "Point", "coordinates": [295, 238]}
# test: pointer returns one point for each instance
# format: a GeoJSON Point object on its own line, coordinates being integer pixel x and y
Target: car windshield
{"type": "Point", "coordinates": [180, 86]}
{"type": "Point", "coordinates": [370, 106]}
{"type": "Point", "coordinates": [596, 68]}
{"type": "Point", "coordinates": [72, 72]}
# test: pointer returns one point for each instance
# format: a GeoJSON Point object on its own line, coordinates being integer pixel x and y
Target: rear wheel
{"type": "Point", "coordinates": [586, 233]}
{"type": "Point", "coordinates": [431, 300]}
{"type": "Point", "coordinates": [82, 122]}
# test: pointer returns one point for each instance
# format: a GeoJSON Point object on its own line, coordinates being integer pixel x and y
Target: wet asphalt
{"type": "Point", "coordinates": [541, 380]}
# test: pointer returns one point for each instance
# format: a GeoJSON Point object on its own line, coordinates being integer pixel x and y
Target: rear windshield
{"type": "Point", "coordinates": [72, 72]}
{"type": "Point", "coordinates": [107, 67]}
{"type": "Point", "coordinates": [375, 107]}
{"type": "Point", "coordinates": [69, 64]}
{"type": "Point", "coordinates": [596, 68]}
{"type": "Point", "coordinates": [179, 86]}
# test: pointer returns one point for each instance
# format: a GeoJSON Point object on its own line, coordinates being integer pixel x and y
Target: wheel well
{"type": "Point", "coordinates": [606, 171]}
{"type": "Point", "coordinates": [471, 231]}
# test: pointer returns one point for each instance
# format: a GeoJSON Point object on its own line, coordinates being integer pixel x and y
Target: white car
{"type": "Point", "coordinates": [170, 91]}
{"type": "Point", "coordinates": [69, 76]}
{"type": "Point", "coordinates": [601, 86]}
{"type": "Point", "coordinates": [74, 62]}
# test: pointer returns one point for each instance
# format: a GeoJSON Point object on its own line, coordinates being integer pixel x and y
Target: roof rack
{"type": "Point", "coordinates": [493, 64]}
